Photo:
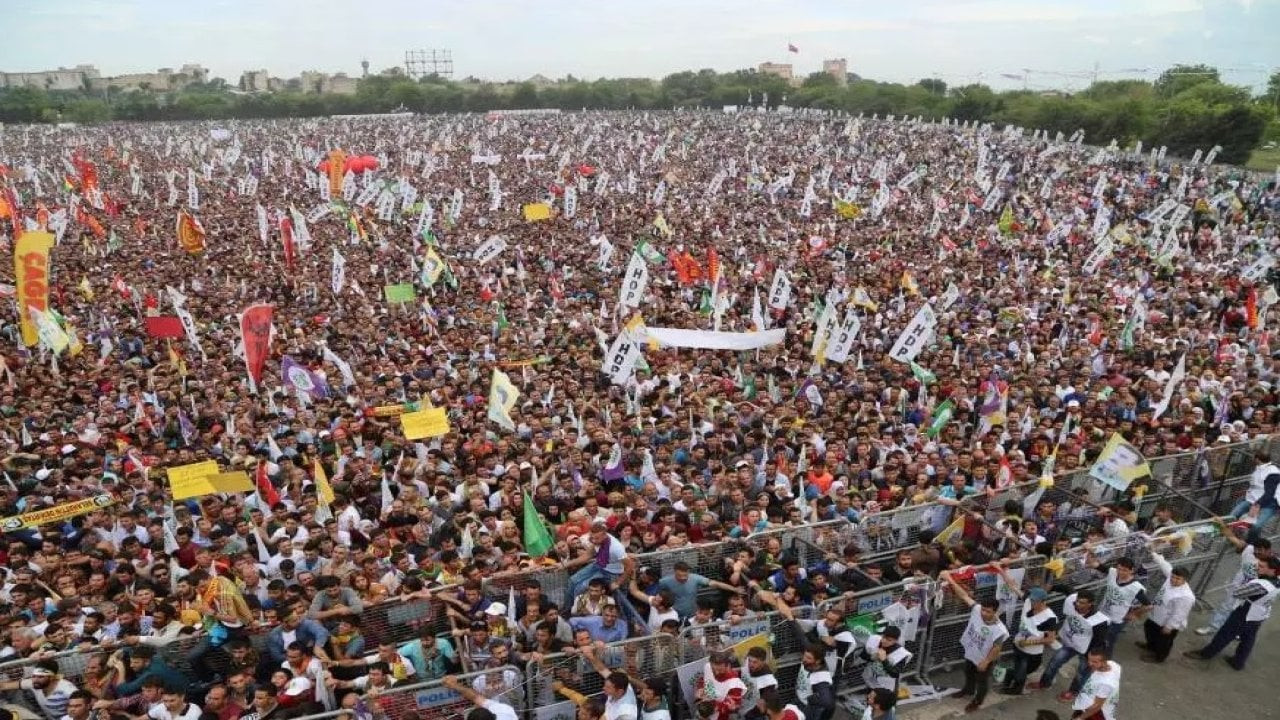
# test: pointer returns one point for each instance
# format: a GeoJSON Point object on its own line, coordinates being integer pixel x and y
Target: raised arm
{"type": "Point", "coordinates": [464, 690]}
{"type": "Point", "coordinates": [961, 593]}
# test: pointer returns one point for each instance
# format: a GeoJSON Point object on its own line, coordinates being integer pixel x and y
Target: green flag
{"type": "Point", "coordinates": [401, 293]}
{"type": "Point", "coordinates": [923, 375]}
{"type": "Point", "coordinates": [537, 540]}
{"type": "Point", "coordinates": [940, 419]}
{"type": "Point", "coordinates": [1006, 221]}
{"type": "Point", "coordinates": [749, 387]}
{"type": "Point", "coordinates": [502, 318]}
{"type": "Point", "coordinates": [649, 252]}
{"type": "Point", "coordinates": [705, 306]}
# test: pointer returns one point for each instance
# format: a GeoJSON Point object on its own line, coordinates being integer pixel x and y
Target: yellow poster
{"type": "Point", "coordinates": [184, 480]}
{"type": "Point", "coordinates": [537, 211]}
{"type": "Point", "coordinates": [389, 410]}
{"type": "Point", "coordinates": [740, 649]}
{"type": "Point", "coordinates": [57, 513]}
{"type": "Point", "coordinates": [31, 275]}
{"type": "Point", "coordinates": [432, 422]}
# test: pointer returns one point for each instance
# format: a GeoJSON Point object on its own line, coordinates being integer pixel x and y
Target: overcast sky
{"type": "Point", "coordinates": [1060, 42]}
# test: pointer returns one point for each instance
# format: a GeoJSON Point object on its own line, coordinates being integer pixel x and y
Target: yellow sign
{"type": "Point", "coordinates": [57, 513]}
{"type": "Point", "coordinates": [186, 487]}
{"type": "Point", "coordinates": [432, 422]}
{"type": "Point", "coordinates": [389, 410]}
{"type": "Point", "coordinates": [31, 278]}
{"type": "Point", "coordinates": [741, 649]}
{"type": "Point", "coordinates": [537, 211]}
{"type": "Point", "coordinates": [184, 480]}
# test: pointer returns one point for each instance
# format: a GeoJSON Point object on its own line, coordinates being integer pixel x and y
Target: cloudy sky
{"type": "Point", "coordinates": [1046, 43]}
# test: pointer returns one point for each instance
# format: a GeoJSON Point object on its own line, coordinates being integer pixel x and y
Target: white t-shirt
{"type": "Point", "coordinates": [979, 637]}
{"type": "Point", "coordinates": [190, 711]}
{"type": "Point", "coordinates": [501, 711]}
{"type": "Point", "coordinates": [1104, 684]}
{"type": "Point", "coordinates": [1077, 630]}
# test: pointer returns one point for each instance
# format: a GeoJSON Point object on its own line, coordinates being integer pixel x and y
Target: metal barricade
{"type": "Point", "coordinates": [650, 656]}
{"type": "Point", "coordinates": [432, 700]}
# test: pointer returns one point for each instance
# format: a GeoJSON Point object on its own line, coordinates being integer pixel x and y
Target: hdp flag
{"type": "Point", "coordinates": [302, 379]}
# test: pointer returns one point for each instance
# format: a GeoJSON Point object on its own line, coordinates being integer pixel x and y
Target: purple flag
{"type": "Point", "coordinates": [301, 379]}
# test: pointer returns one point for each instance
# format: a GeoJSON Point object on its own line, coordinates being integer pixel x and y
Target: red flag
{"type": "Point", "coordinates": [713, 265]}
{"type": "Point", "coordinates": [792, 48]}
{"type": "Point", "coordinates": [255, 332]}
{"type": "Point", "coordinates": [1251, 307]}
{"type": "Point", "coordinates": [164, 326]}
{"type": "Point", "coordinates": [286, 234]}
{"type": "Point", "coordinates": [1004, 478]}
{"type": "Point", "coordinates": [266, 490]}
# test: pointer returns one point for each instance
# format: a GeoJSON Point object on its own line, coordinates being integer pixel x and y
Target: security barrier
{"type": "Point", "coordinates": [1193, 484]}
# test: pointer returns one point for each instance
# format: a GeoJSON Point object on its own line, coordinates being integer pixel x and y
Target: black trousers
{"type": "Point", "coordinates": [1158, 643]}
{"type": "Point", "coordinates": [1023, 665]}
{"type": "Point", "coordinates": [976, 682]}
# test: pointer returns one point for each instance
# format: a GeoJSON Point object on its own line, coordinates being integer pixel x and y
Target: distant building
{"type": "Point", "coordinates": [255, 81]}
{"type": "Point", "coordinates": [782, 70]}
{"type": "Point", "coordinates": [340, 84]}
{"type": "Point", "coordinates": [60, 79]}
{"type": "Point", "coordinates": [162, 80]}
{"type": "Point", "coordinates": [837, 68]}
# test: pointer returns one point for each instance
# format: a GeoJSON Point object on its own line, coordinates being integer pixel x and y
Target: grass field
{"type": "Point", "coordinates": [1264, 160]}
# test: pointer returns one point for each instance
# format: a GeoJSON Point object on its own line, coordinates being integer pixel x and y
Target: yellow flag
{"type": "Point", "coordinates": [432, 267]}
{"type": "Point", "coordinates": [86, 289]}
{"type": "Point", "coordinates": [322, 482]}
{"type": "Point", "coordinates": [909, 283]}
{"type": "Point", "coordinates": [534, 212]}
{"type": "Point", "coordinates": [660, 222]}
{"type": "Point", "coordinates": [951, 531]}
{"type": "Point", "coordinates": [502, 398]}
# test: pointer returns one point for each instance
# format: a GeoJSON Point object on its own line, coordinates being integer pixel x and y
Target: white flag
{"type": "Point", "coordinates": [839, 347]}
{"type": "Point", "coordinates": [780, 290]}
{"type": "Point", "coordinates": [917, 334]}
{"type": "Point", "coordinates": [634, 282]}
{"type": "Point", "coordinates": [490, 249]}
{"type": "Point", "coordinates": [1179, 374]}
{"type": "Point", "coordinates": [348, 379]}
{"type": "Point", "coordinates": [339, 272]}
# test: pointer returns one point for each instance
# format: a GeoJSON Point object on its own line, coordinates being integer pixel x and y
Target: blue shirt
{"type": "Point", "coordinates": [594, 624]}
{"type": "Point", "coordinates": [684, 595]}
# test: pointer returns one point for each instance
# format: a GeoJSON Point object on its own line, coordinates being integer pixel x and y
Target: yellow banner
{"type": "Point", "coordinates": [337, 171]}
{"type": "Point", "coordinates": [57, 513]}
{"type": "Point", "coordinates": [537, 211]}
{"type": "Point", "coordinates": [322, 483]}
{"type": "Point", "coordinates": [389, 410]}
{"type": "Point", "coordinates": [31, 275]}
{"type": "Point", "coordinates": [432, 422]}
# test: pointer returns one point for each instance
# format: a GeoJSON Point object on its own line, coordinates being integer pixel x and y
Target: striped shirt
{"type": "Point", "coordinates": [52, 699]}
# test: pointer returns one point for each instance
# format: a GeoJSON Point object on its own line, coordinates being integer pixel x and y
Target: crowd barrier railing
{"type": "Point", "coordinates": [1196, 484]}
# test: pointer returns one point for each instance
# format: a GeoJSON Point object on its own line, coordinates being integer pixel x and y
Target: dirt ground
{"type": "Point", "coordinates": [1180, 688]}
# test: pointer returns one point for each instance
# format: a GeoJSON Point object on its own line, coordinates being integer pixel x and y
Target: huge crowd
{"type": "Point", "coordinates": [1069, 283]}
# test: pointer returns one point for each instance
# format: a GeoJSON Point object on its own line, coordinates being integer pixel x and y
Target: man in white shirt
{"type": "Point", "coordinates": [1173, 604]}
{"type": "Point", "coordinates": [284, 551]}
{"type": "Point", "coordinates": [174, 706]}
{"type": "Point", "coordinates": [1101, 692]}
{"type": "Point", "coordinates": [1250, 555]}
{"type": "Point", "coordinates": [485, 709]}
{"type": "Point", "coordinates": [982, 639]}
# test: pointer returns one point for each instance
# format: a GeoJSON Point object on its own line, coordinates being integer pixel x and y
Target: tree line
{"type": "Point", "coordinates": [1186, 108]}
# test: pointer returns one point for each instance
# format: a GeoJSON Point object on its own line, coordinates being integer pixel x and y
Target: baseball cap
{"type": "Point", "coordinates": [479, 625]}
{"type": "Point", "coordinates": [1037, 595]}
{"type": "Point", "coordinates": [496, 610]}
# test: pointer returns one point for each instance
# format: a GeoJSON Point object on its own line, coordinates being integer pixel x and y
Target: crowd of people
{"type": "Point", "coordinates": [1076, 293]}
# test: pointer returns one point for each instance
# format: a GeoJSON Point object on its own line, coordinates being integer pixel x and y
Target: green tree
{"type": "Point", "coordinates": [1181, 77]}
{"type": "Point", "coordinates": [934, 86]}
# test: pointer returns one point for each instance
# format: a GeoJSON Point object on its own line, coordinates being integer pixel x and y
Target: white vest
{"type": "Point", "coordinates": [874, 672]}
{"type": "Point", "coordinates": [1260, 609]}
{"type": "Point", "coordinates": [1029, 628]}
{"type": "Point", "coordinates": [806, 680]}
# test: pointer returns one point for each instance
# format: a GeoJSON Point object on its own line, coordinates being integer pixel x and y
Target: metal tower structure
{"type": "Point", "coordinates": [421, 63]}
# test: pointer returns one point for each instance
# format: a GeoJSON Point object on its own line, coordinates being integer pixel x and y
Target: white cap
{"type": "Point", "coordinates": [43, 473]}
{"type": "Point", "coordinates": [496, 610]}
